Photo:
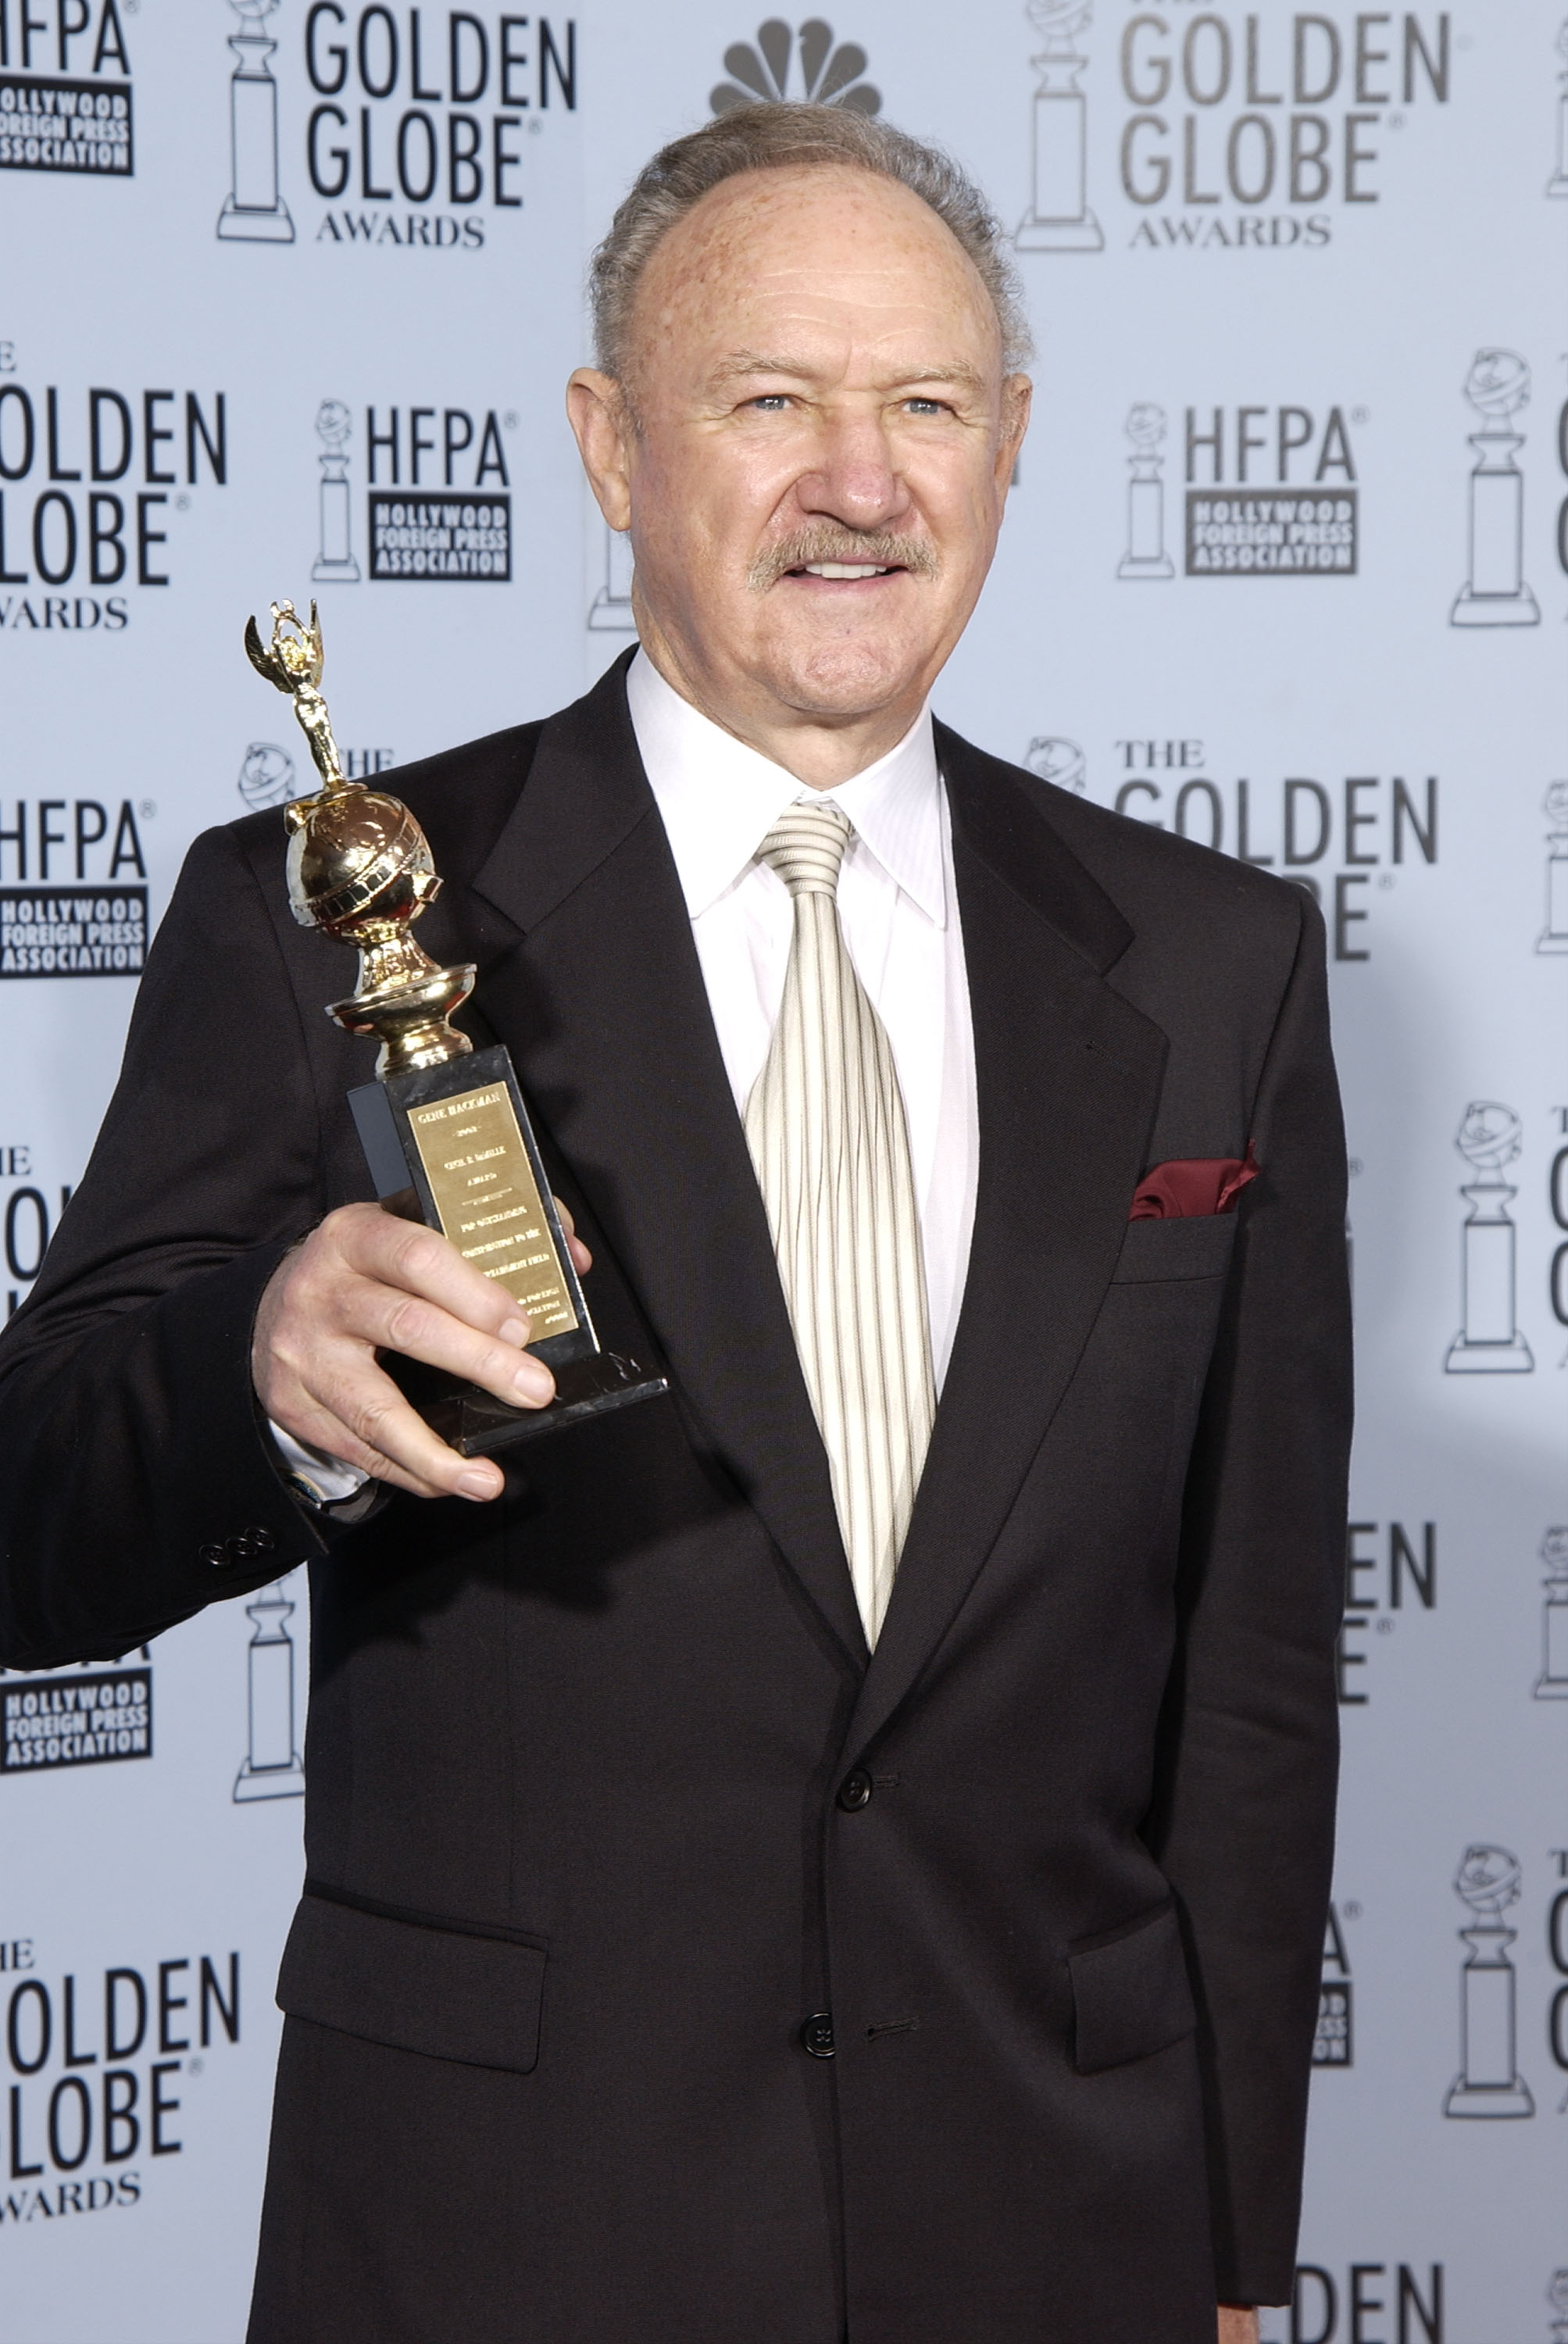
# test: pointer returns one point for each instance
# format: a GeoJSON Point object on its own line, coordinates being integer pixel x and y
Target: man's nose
{"type": "Point", "coordinates": [853, 480]}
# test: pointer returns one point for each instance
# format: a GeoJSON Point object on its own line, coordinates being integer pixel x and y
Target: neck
{"type": "Point", "coordinates": [819, 750]}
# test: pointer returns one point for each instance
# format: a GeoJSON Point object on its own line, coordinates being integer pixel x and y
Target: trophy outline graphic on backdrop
{"type": "Point", "coordinates": [1060, 219]}
{"type": "Point", "coordinates": [1557, 185]}
{"type": "Point", "coordinates": [254, 211]}
{"type": "Point", "coordinates": [1552, 1684]}
{"type": "Point", "coordinates": [1145, 556]}
{"type": "Point", "coordinates": [1553, 936]}
{"type": "Point", "coordinates": [444, 1125]}
{"type": "Point", "coordinates": [1489, 1343]}
{"type": "Point", "coordinates": [611, 611]}
{"type": "Point", "coordinates": [335, 545]}
{"type": "Point", "coordinates": [1488, 2083]}
{"type": "Point", "coordinates": [271, 1768]}
{"type": "Point", "coordinates": [1494, 593]}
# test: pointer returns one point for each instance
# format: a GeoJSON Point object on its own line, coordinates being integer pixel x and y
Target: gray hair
{"type": "Point", "coordinates": [772, 138]}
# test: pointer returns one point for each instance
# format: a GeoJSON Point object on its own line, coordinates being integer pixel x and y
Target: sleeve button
{"type": "Point", "coordinates": [262, 1541]}
{"type": "Point", "coordinates": [217, 1555]}
{"type": "Point", "coordinates": [241, 1549]}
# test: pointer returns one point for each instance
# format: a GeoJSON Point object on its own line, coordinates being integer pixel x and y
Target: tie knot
{"type": "Point", "coordinates": [807, 847]}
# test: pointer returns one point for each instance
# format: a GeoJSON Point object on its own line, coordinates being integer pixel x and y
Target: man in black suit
{"type": "Point", "coordinates": [784, 1866]}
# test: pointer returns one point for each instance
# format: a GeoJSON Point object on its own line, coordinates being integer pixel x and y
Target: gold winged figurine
{"type": "Point", "coordinates": [361, 870]}
{"type": "Point", "coordinates": [292, 660]}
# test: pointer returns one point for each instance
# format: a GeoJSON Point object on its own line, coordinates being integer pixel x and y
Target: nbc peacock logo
{"type": "Point", "coordinates": [807, 66]}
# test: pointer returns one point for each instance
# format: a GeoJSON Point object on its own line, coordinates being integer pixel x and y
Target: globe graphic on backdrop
{"type": "Point", "coordinates": [1488, 1880]}
{"type": "Point", "coordinates": [1056, 760]}
{"type": "Point", "coordinates": [1057, 19]}
{"type": "Point", "coordinates": [1490, 1136]}
{"type": "Point", "coordinates": [265, 774]}
{"type": "Point", "coordinates": [1146, 425]}
{"type": "Point", "coordinates": [1498, 384]}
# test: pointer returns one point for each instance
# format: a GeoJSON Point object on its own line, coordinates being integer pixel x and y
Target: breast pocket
{"type": "Point", "coordinates": [449, 1990]}
{"type": "Point", "coordinates": [1198, 1246]}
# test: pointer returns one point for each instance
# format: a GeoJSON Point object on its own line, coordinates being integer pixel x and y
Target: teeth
{"type": "Point", "coordinates": [845, 570]}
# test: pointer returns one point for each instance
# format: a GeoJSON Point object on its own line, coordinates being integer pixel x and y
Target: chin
{"type": "Point", "coordinates": [845, 679]}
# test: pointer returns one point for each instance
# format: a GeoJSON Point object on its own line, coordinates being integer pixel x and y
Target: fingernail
{"type": "Point", "coordinates": [478, 1484]}
{"type": "Point", "coordinates": [516, 1330]}
{"type": "Point", "coordinates": [534, 1381]}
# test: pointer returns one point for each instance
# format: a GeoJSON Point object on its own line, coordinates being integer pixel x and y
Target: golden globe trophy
{"type": "Point", "coordinates": [444, 1125]}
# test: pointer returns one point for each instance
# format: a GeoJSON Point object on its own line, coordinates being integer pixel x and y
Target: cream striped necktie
{"type": "Point", "coordinates": [826, 1126]}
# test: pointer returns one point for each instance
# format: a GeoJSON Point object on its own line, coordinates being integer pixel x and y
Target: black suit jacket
{"type": "Point", "coordinates": [581, 1857]}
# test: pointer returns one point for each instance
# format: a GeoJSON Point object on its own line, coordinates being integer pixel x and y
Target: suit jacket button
{"type": "Point", "coordinates": [854, 1790]}
{"type": "Point", "coordinates": [241, 1549]}
{"type": "Point", "coordinates": [817, 2034]}
{"type": "Point", "coordinates": [262, 1541]}
{"type": "Point", "coordinates": [219, 1556]}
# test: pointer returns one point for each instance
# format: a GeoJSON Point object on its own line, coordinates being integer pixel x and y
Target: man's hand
{"type": "Point", "coordinates": [365, 1280]}
{"type": "Point", "coordinates": [1238, 2325]}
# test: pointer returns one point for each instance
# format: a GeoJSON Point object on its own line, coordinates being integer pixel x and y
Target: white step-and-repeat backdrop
{"type": "Point", "coordinates": [287, 298]}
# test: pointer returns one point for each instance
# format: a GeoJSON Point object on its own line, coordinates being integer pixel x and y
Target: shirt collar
{"type": "Point", "coordinates": [718, 799]}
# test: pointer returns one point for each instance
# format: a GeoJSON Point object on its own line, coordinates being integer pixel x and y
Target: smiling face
{"type": "Point", "coordinates": [816, 470]}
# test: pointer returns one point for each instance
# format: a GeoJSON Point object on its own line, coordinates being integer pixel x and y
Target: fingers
{"type": "Point", "coordinates": [357, 1413]}
{"type": "Point", "coordinates": [420, 1261]}
{"type": "Point", "coordinates": [368, 1281]}
{"type": "Point", "coordinates": [410, 1254]}
{"type": "Point", "coordinates": [365, 1282]}
{"type": "Point", "coordinates": [582, 1259]}
{"type": "Point", "coordinates": [388, 1320]}
{"type": "Point", "coordinates": [400, 1286]}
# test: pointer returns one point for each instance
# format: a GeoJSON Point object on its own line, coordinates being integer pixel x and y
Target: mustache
{"type": "Point", "coordinates": [829, 544]}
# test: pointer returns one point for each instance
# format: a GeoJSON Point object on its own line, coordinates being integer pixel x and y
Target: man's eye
{"type": "Point", "coordinates": [926, 407]}
{"type": "Point", "coordinates": [771, 402]}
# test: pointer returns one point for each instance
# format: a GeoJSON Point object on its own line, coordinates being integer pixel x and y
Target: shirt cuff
{"type": "Point", "coordinates": [324, 1480]}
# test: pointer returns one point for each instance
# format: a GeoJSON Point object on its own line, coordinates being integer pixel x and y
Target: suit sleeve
{"type": "Point", "coordinates": [1244, 1829]}
{"type": "Point", "coordinates": [138, 1484]}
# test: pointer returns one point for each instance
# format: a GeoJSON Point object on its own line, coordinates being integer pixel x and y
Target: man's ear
{"type": "Point", "coordinates": [1017, 393]}
{"type": "Point", "coordinates": [596, 410]}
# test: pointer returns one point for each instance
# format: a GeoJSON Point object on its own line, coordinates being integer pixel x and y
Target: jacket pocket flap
{"type": "Point", "coordinates": [1131, 1995]}
{"type": "Point", "coordinates": [415, 1984]}
{"type": "Point", "coordinates": [1196, 1246]}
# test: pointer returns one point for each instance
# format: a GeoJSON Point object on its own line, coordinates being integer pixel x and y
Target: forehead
{"type": "Point", "coordinates": [829, 245]}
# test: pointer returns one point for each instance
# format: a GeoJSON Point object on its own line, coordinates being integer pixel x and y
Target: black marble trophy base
{"type": "Point", "coordinates": [472, 1422]}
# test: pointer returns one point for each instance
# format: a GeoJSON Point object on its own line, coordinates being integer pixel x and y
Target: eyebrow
{"type": "Point", "coordinates": [742, 363]}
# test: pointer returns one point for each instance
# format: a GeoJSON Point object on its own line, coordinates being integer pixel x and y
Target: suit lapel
{"type": "Point", "coordinates": [595, 985]}
{"type": "Point", "coordinates": [1067, 1076]}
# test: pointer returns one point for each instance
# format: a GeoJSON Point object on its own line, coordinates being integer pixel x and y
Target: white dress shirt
{"type": "Point", "coordinates": [898, 908]}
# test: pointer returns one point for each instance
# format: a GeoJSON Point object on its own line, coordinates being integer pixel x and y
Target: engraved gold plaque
{"type": "Point", "coordinates": [489, 1200]}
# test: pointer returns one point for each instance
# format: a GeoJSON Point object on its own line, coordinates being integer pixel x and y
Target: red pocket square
{"type": "Point", "coordinates": [1192, 1186]}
